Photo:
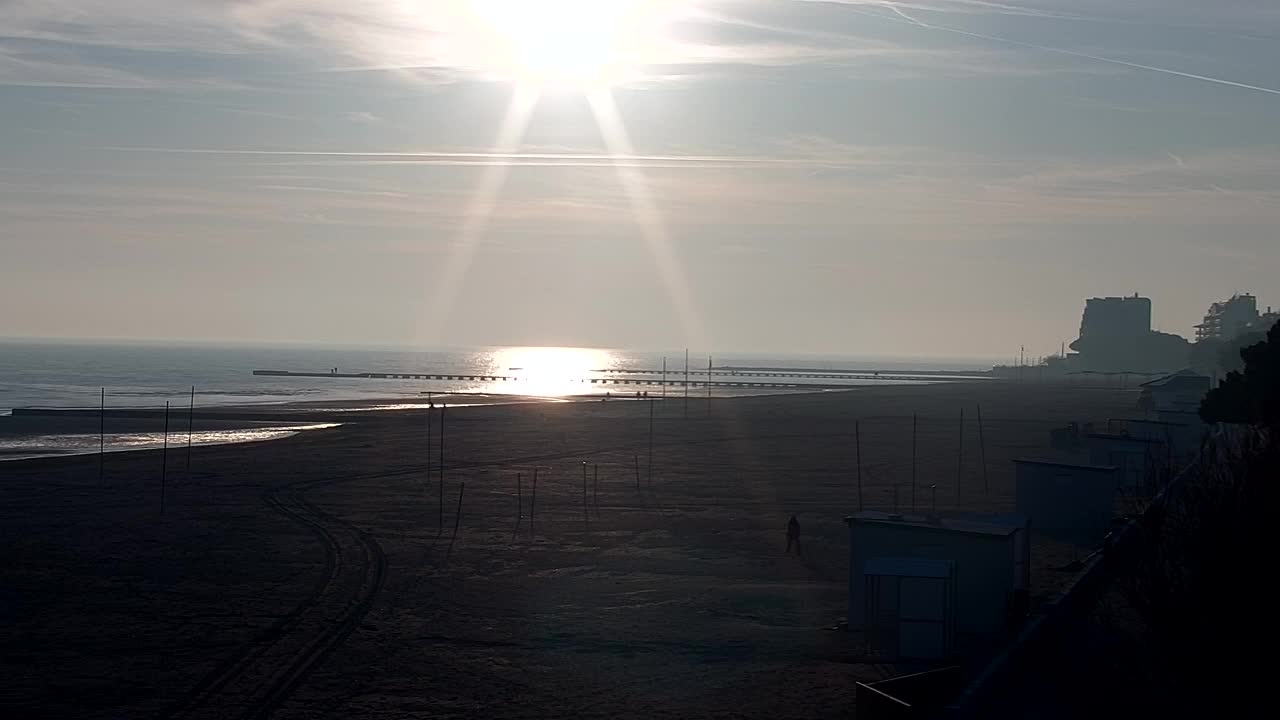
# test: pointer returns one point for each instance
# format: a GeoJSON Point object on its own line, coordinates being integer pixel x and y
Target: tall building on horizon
{"type": "Point", "coordinates": [1229, 319]}
{"type": "Point", "coordinates": [1116, 336]}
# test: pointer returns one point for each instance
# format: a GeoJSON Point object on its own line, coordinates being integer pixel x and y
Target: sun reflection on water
{"type": "Point", "coordinates": [552, 371]}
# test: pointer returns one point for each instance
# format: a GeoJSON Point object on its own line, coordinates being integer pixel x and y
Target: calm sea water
{"type": "Point", "coordinates": [66, 374]}
{"type": "Point", "coordinates": [69, 375]}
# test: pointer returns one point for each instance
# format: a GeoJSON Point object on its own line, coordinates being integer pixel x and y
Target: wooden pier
{"type": "Point", "coordinates": [777, 380]}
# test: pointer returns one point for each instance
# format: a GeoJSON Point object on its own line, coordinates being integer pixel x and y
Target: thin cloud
{"type": "Point", "coordinates": [907, 20]}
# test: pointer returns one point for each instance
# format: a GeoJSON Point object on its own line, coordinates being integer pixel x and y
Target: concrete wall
{"type": "Point", "coordinates": [1073, 503]}
{"type": "Point", "coordinates": [984, 576]}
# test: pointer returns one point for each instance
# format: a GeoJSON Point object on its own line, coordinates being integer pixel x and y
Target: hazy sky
{"type": "Point", "coordinates": [949, 177]}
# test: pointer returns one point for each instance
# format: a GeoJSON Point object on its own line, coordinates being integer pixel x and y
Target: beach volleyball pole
{"type": "Point", "coordinates": [441, 518]}
{"type": "Point", "coordinates": [650, 450]}
{"type": "Point", "coordinates": [857, 448]}
{"type": "Point", "coordinates": [191, 419]}
{"type": "Point", "coordinates": [457, 520]}
{"type": "Point", "coordinates": [164, 457]}
{"type": "Point", "coordinates": [982, 446]}
{"type": "Point", "coordinates": [102, 432]}
{"type": "Point", "coordinates": [960, 459]}
{"type": "Point", "coordinates": [914, 423]}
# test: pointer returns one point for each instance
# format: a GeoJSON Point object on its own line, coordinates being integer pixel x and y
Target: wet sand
{"type": "Point", "coordinates": [310, 577]}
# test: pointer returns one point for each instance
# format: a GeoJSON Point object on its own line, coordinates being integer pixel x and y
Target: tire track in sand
{"type": "Point", "coordinates": [254, 683]}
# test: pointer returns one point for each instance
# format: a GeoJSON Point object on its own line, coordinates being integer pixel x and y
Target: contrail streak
{"type": "Point", "coordinates": [505, 156]}
{"type": "Point", "coordinates": [905, 20]}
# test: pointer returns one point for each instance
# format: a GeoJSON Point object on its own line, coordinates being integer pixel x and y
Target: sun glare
{"type": "Point", "coordinates": [572, 44]}
{"type": "Point", "coordinates": [551, 371]}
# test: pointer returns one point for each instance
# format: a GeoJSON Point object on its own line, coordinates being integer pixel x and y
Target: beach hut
{"type": "Point", "coordinates": [1182, 390]}
{"type": "Point", "coordinates": [1135, 458]}
{"type": "Point", "coordinates": [910, 607]}
{"type": "Point", "coordinates": [1066, 501]}
{"type": "Point", "coordinates": [991, 559]}
{"type": "Point", "coordinates": [1181, 437]}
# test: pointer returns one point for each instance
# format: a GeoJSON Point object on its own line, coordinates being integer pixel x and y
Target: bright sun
{"type": "Point", "coordinates": [571, 44]}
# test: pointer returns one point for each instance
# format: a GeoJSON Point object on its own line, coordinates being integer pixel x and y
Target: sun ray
{"type": "Point", "coordinates": [478, 212]}
{"type": "Point", "coordinates": [647, 216]}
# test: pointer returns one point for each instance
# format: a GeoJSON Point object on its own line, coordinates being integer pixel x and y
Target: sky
{"type": "Point", "coordinates": [936, 177]}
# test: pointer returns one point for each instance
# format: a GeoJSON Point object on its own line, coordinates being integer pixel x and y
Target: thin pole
{"type": "Point", "coordinates": [586, 517]}
{"type": "Point", "coordinates": [960, 459]}
{"type": "Point", "coordinates": [441, 514]}
{"type": "Point", "coordinates": [914, 423]}
{"type": "Point", "coordinates": [650, 446]}
{"type": "Point", "coordinates": [533, 500]}
{"type": "Point", "coordinates": [430, 407]}
{"type": "Point", "coordinates": [857, 446]}
{"type": "Point", "coordinates": [102, 433]}
{"type": "Point", "coordinates": [457, 520]}
{"type": "Point", "coordinates": [519, 502]}
{"type": "Point", "coordinates": [637, 459]}
{"type": "Point", "coordinates": [982, 447]}
{"type": "Point", "coordinates": [164, 457]}
{"type": "Point", "coordinates": [191, 420]}
{"type": "Point", "coordinates": [708, 384]}
{"type": "Point", "coordinates": [686, 382]}
{"type": "Point", "coordinates": [595, 485]}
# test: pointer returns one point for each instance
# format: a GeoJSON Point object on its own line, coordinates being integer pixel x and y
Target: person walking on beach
{"type": "Point", "coordinates": [793, 535]}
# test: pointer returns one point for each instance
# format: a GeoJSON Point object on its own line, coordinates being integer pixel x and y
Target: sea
{"type": "Point", "coordinates": [78, 374]}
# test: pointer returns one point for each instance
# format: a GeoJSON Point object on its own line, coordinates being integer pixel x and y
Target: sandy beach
{"type": "Point", "coordinates": [310, 577]}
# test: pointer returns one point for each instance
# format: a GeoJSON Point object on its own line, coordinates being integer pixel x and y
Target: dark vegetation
{"type": "Point", "coordinates": [1250, 396]}
{"type": "Point", "coordinates": [1191, 620]}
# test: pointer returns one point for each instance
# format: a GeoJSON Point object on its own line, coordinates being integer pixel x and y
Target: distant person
{"type": "Point", "coordinates": [793, 535]}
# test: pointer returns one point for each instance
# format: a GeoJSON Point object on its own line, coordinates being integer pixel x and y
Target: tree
{"type": "Point", "coordinates": [1253, 396]}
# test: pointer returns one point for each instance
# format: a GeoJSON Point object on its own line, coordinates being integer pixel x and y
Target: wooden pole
{"type": "Point", "coordinates": [708, 384]}
{"type": "Point", "coordinates": [164, 458]}
{"type": "Point", "coordinates": [586, 515]}
{"type": "Point", "coordinates": [441, 514]}
{"type": "Point", "coordinates": [533, 500]}
{"type": "Point", "coordinates": [650, 445]}
{"type": "Point", "coordinates": [914, 423]}
{"type": "Point", "coordinates": [102, 433]}
{"type": "Point", "coordinates": [686, 382]}
{"type": "Point", "coordinates": [857, 446]}
{"type": "Point", "coordinates": [519, 503]}
{"type": "Point", "coordinates": [595, 485]}
{"type": "Point", "coordinates": [982, 448]}
{"type": "Point", "coordinates": [429, 435]}
{"type": "Point", "coordinates": [457, 520]}
{"type": "Point", "coordinates": [960, 459]}
{"type": "Point", "coordinates": [191, 421]}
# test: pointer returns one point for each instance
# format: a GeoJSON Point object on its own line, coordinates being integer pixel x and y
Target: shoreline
{"type": "Point", "coordinates": [74, 431]}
